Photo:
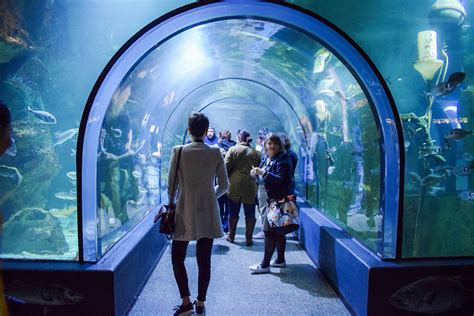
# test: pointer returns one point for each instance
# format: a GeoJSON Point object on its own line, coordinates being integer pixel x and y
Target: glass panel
{"type": "Point", "coordinates": [245, 73]}
{"type": "Point", "coordinates": [51, 53]}
{"type": "Point", "coordinates": [424, 50]}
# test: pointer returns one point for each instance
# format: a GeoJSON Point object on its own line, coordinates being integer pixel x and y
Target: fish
{"type": "Point", "coordinates": [66, 196]}
{"type": "Point", "coordinates": [12, 150]}
{"type": "Point", "coordinates": [433, 152]}
{"type": "Point", "coordinates": [117, 132]}
{"type": "Point", "coordinates": [428, 150]}
{"type": "Point", "coordinates": [63, 137]}
{"type": "Point", "coordinates": [62, 213]}
{"type": "Point", "coordinates": [462, 170]}
{"type": "Point", "coordinates": [431, 180]}
{"type": "Point", "coordinates": [467, 195]}
{"type": "Point", "coordinates": [415, 177]}
{"type": "Point", "coordinates": [44, 116]}
{"type": "Point", "coordinates": [73, 152]}
{"type": "Point", "coordinates": [456, 134]}
{"type": "Point", "coordinates": [428, 180]}
{"type": "Point", "coordinates": [447, 87]}
{"type": "Point", "coordinates": [43, 294]}
{"type": "Point", "coordinates": [435, 190]}
{"type": "Point", "coordinates": [431, 295]}
{"type": "Point", "coordinates": [467, 157]}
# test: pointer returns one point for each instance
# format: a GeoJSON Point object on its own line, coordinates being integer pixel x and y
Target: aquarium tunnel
{"type": "Point", "coordinates": [384, 187]}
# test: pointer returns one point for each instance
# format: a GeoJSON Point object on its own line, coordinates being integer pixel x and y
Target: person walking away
{"type": "Point", "coordinates": [211, 138]}
{"type": "Point", "coordinates": [276, 176]}
{"type": "Point", "coordinates": [261, 193]}
{"type": "Point", "coordinates": [225, 142]}
{"type": "Point", "coordinates": [293, 157]}
{"type": "Point", "coordinates": [197, 215]}
{"type": "Point", "coordinates": [239, 161]}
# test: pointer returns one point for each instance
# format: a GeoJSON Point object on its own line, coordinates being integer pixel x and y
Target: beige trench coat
{"type": "Point", "coordinates": [197, 210]}
{"type": "Point", "coordinates": [239, 160]}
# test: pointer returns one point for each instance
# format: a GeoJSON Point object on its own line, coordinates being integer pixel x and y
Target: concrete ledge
{"type": "Point", "coordinates": [364, 281]}
{"type": "Point", "coordinates": [109, 286]}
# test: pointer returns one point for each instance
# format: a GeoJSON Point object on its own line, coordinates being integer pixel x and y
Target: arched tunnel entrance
{"type": "Point", "coordinates": [247, 65]}
{"type": "Point", "coordinates": [251, 65]}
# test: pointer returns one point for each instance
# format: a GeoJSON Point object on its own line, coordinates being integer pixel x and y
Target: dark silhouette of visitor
{"type": "Point", "coordinates": [197, 213]}
{"type": "Point", "coordinates": [225, 142]}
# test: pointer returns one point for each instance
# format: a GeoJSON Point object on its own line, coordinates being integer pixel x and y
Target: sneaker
{"type": "Point", "coordinates": [274, 264]}
{"type": "Point", "coordinates": [200, 310]}
{"type": "Point", "coordinates": [258, 269]}
{"type": "Point", "coordinates": [183, 310]}
{"type": "Point", "coordinates": [259, 235]}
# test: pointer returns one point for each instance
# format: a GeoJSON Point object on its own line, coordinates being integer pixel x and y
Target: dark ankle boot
{"type": "Point", "coordinates": [232, 229]}
{"type": "Point", "coordinates": [249, 226]}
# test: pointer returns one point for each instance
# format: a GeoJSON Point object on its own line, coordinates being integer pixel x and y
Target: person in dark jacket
{"type": "Point", "coordinates": [211, 138]}
{"type": "Point", "coordinates": [225, 143]}
{"type": "Point", "coordinates": [275, 172]}
{"type": "Point", "coordinates": [293, 156]}
{"type": "Point", "coordinates": [239, 161]}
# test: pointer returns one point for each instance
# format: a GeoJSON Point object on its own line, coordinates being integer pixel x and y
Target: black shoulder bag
{"type": "Point", "coordinates": [166, 213]}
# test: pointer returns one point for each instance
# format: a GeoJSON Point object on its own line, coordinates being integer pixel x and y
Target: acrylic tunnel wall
{"type": "Point", "coordinates": [60, 47]}
{"type": "Point", "coordinates": [281, 69]}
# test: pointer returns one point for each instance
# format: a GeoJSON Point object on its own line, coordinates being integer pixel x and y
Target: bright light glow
{"type": "Point", "coordinates": [452, 114]}
{"type": "Point", "coordinates": [191, 56]}
{"type": "Point", "coordinates": [451, 108]}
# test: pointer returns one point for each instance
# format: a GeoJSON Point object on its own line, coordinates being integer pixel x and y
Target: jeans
{"type": "Point", "coordinates": [249, 209]}
{"type": "Point", "coordinates": [203, 256]}
{"type": "Point", "coordinates": [224, 209]}
{"type": "Point", "coordinates": [274, 240]}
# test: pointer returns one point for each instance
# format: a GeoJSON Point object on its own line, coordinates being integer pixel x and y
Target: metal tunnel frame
{"type": "Point", "coordinates": [289, 15]}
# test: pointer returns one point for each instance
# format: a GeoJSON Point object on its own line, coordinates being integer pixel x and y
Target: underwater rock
{"type": "Point", "coordinates": [34, 230]}
{"type": "Point", "coordinates": [38, 164]}
{"type": "Point", "coordinates": [358, 222]}
{"type": "Point", "coordinates": [10, 47]}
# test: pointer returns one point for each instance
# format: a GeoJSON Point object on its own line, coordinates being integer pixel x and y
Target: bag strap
{"type": "Point", "coordinates": [176, 175]}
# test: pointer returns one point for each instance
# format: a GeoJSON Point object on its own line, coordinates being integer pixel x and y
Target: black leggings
{"type": "Point", "coordinates": [274, 240]}
{"type": "Point", "coordinates": [203, 256]}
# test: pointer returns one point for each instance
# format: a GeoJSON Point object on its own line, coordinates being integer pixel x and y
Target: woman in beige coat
{"type": "Point", "coordinates": [239, 160]}
{"type": "Point", "coordinates": [197, 213]}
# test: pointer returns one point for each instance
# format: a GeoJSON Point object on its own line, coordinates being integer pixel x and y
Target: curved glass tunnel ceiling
{"type": "Point", "coordinates": [245, 73]}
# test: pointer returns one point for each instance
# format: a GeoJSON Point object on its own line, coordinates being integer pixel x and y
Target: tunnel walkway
{"type": "Point", "coordinates": [300, 289]}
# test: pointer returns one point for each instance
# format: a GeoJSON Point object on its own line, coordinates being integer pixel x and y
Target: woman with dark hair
{"type": "Point", "coordinates": [275, 172]}
{"type": "Point", "coordinates": [293, 156]}
{"type": "Point", "coordinates": [197, 213]}
{"type": "Point", "coordinates": [240, 159]}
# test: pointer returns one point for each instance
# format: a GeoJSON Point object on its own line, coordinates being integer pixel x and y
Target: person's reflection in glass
{"type": "Point", "coordinates": [116, 147]}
